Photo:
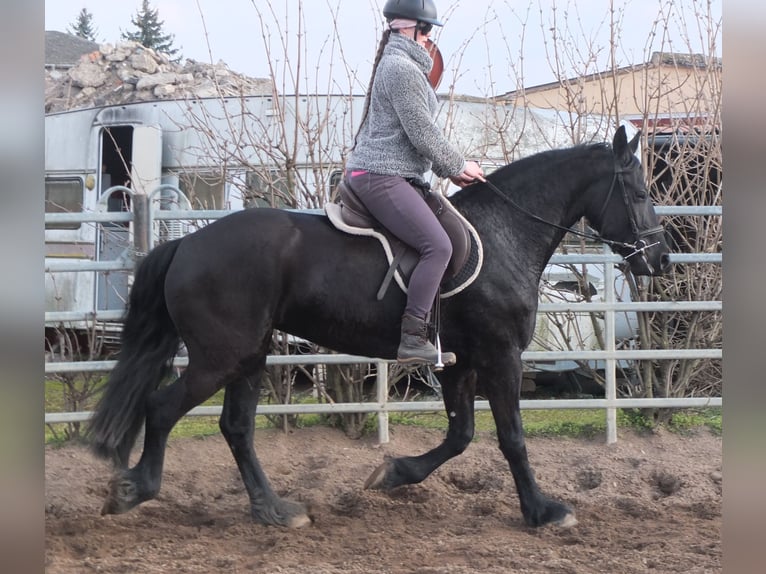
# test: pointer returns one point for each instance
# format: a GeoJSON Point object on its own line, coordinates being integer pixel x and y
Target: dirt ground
{"type": "Point", "coordinates": [650, 503]}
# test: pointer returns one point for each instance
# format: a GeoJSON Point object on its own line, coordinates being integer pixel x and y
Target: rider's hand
{"type": "Point", "coordinates": [470, 174]}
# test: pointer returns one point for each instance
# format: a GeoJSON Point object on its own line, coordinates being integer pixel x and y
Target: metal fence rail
{"type": "Point", "coordinates": [382, 406]}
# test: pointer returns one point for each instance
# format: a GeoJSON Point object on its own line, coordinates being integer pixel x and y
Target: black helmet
{"type": "Point", "coordinates": [420, 10]}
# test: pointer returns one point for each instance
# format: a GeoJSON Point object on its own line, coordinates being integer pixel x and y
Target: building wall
{"type": "Point", "coordinates": [652, 89]}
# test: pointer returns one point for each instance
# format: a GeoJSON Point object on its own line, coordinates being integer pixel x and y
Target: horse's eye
{"type": "Point", "coordinates": [637, 188]}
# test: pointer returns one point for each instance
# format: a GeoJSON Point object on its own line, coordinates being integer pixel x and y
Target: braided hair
{"type": "Point", "coordinates": [368, 97]}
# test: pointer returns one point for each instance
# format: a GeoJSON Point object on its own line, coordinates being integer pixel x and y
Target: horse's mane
{"type": "Point", "coordinates": [520, 172]}
{"type": "Point", "coordinates": [543, 160]}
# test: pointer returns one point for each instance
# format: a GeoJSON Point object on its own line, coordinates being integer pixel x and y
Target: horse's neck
{"type": "Point", "coordinates": [548, 200]}
{"type": "Point", "coordinates": [569, 187]}
{"type": "Point", "coordinates": [547, 204]}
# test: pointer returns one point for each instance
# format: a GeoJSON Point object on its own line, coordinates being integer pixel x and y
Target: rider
{"type": "Point", "coordinates": [397, 143]}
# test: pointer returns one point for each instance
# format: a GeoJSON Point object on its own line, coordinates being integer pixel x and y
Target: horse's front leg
{"type": "Point", "coordinates": [501, 379]}
{"type": "Point", "coordinates": [459, 389]}
{"type": "Point", "coordinates": [237, 425]}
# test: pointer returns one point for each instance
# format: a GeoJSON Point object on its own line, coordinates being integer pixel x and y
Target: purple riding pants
{"type": "Point", "coordinates": [401, 209]}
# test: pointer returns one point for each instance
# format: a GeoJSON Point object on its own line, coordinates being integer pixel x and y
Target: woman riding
{"type": "Point", "coordinates": [397, 143]}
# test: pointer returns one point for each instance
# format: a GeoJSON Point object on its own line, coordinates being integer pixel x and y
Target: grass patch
{"type": "Point", "coordinates": [688, 421]}
{"type": "Point", "coordinates": [574, 423]}
{"type": "Point", "coordinates": [197, 426]}
{"type": "Point", "coordinates": [204, 426]}
{"type": "Point", "coordinates": [565, 422]}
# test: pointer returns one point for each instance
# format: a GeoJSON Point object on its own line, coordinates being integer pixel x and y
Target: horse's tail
{"type": "Point", "coordinates": [149, 341]}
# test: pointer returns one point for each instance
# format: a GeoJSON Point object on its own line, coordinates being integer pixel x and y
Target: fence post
{"type": "Point", "coordinates": [610, 365]}
{"type": "Point", "coordinates": [142, 229]}
{"type": "Point", "coordinates": [382, 388]}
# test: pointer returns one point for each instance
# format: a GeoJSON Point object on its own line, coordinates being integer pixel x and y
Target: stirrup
{"type": "Point", "coordinates": [439, 364]}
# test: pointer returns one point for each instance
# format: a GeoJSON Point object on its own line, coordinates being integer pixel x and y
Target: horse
{"type": "Point", "coordinates": [223, 289]}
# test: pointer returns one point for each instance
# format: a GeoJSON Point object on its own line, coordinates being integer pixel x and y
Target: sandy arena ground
{"type": "Point", "coordinates": [650, 503]}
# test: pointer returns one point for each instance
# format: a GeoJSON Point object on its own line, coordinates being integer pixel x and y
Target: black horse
{"type": "Point", "coordinates": [223, 289]}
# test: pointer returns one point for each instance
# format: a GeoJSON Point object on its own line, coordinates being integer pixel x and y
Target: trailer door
{"type": "Point", "coordinates": [131, 163]}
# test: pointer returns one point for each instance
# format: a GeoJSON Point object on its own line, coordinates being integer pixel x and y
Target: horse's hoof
{"type": "Point", "coordinates": [299, 521]}
{"type": "Point", "coordinates": [123, 495]}
{"type": "Point", "coordinates": [568, 521]}
{"type": "Point", "coordinates": [281, 512]}
{"type": "Point", "coordinates": [376, 479]}
{"type": "Point", "coordinates": [550, 513]}
{"type": "Point", "coordinates": [112, 507]}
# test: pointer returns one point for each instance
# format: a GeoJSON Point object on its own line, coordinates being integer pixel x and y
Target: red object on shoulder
{"type": "Point", "coordinates": [435, 77]}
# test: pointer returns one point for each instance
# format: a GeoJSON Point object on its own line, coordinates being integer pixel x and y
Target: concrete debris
{"type": "Point", "coordinates": [129, 72]}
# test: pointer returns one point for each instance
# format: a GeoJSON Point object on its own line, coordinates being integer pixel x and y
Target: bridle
{"type": "Point", "coordinates": [638, 247]}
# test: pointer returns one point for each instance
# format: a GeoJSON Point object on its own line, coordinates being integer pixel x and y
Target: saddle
{"type": "Point", "coordinates": [351, 216]}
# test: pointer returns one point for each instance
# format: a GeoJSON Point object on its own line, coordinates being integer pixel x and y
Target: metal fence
{"type": "Point", "coordinates": [382, 406]}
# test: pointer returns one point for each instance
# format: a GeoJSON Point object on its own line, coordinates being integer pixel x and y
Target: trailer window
{"type": "Point", "coordinates": [268, 188]}
{"type": "Point", "coordinates": [204, 190]}
{"type": "Point", "coordinates": [63, 195]}
{"type": "Point", "coordinates": [335, 178]}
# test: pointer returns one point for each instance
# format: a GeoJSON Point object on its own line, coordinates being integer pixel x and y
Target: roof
{"type": "Point", "coordinates": [64, 50]}
{"type": "Point", "coordinates": [670, 59]}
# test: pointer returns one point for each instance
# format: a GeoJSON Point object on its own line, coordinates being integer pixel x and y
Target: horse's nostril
{"type": "Point", "coordinates": [665, 262]}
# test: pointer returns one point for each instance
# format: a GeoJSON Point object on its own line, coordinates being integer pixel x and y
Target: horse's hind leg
{"type": "Point", "coordinates": [237, 425]}
{"type": "Point", "coordinates": [164, 408]}
{"type": "Point", "coordinates": [502, 383]}
{"type": "Point", "coordinates": [459, 389]}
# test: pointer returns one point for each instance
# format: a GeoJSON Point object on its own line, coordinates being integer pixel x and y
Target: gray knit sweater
{"type": "Point", "coordinates": [399, 136]}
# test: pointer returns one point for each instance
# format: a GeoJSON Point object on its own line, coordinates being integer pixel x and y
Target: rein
{"type": "Point", "coordinates": [638, 247]}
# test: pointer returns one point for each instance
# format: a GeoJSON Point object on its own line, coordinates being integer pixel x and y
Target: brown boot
{"type": "Point", "coordinates": [415, 347]}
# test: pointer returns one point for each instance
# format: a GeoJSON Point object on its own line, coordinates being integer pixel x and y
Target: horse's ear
{"type": "Point", "coordinates": [624, 150]}
{"type": "Point", "coordinates": [620, 142]}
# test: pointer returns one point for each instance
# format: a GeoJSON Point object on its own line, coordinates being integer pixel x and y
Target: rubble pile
{"type": "Point", "coordinates": [129, 72]}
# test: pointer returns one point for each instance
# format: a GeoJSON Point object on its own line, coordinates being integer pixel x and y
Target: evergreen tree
{"type": "Point", "coordinates": [83, 26]}
{"type": "Point", "coordinates": [149, 31]}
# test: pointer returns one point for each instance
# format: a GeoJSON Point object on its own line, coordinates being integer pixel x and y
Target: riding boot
{"type": "Point", "coordinates": [415, 347]}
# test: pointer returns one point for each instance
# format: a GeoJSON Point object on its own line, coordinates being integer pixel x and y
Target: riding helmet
{"type": "Point", "coordinates": [420, 10]}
